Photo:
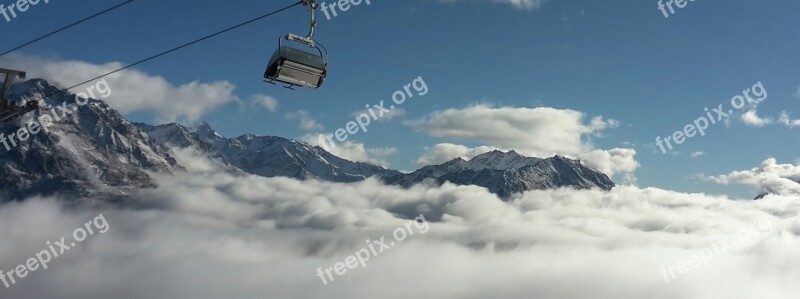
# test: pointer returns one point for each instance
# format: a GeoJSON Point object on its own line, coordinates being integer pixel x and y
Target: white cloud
{"type": "Point", "coordinates": [538, 132]}
{"type": "Point", "coordinates": [379, 155]}
{"type": "Point", "coordinates": [307, 122]}
{"type": "Point", "coordinates": [132, 90]}
{"type": "Point", "coordinates": [751, 118]}
{"type": "Point", "coordinates": [788, 121]}
{"type": "Point", "coordinates": [611, 162]}
{"type": "Point", "coordinates": [268, 236]}
{"type": "Point", "coordinates": [697, 154]}
{"type": "Point", "coordinates": [768, 177]}
{"type": "Point", "coordinates": [264, 101]}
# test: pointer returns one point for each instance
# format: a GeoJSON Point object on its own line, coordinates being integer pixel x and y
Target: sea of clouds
{"type": "Point", "coordinates": [210, 234]}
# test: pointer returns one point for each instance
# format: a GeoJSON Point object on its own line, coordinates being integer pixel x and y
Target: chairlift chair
{"type": "Point", "coordinates": [296, 67]}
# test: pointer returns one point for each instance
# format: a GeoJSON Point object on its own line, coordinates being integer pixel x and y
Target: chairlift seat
{"type": "Point", "coordinates": [296, 67]}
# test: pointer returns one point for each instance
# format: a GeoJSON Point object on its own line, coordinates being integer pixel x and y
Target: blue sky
{"type": "Point", "coordinates": [618, 59]}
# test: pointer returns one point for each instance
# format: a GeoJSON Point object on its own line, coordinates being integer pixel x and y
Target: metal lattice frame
{"type": "Point", "coordinates": [8, 110]}
{"type": "Point", "coordinates": [10, 76]}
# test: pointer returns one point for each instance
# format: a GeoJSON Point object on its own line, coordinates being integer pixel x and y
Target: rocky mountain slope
{"type": "Point", "coordinates": [88, 150]}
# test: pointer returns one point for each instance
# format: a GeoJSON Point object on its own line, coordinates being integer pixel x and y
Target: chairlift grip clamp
{"type": "Point", "coordinates": [294, 37]}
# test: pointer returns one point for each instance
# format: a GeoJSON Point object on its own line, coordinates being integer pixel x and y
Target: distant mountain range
{"type": "Point", "coordinates": [95, 152]}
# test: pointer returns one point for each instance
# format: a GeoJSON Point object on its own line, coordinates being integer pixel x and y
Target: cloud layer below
{"type": "Point", "coordinates": [208, 234]}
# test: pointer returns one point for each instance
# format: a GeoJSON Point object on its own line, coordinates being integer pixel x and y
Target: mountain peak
{"type": "Point", "coordinates": [499, 160]}
{"type": "Point", "coordinates": [33, 88]}
{"type": "Point", "coordinates": [207, 134]}
{"type": "Point", "coordinates": [32, 84]}
{"type": "Point", "coordinates": [204, 126]}
{"type": "Point", "coordinates": [499, 154]}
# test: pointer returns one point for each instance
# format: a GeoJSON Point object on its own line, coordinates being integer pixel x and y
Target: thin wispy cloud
{"type": "Point", "coordinates": [133, 90]}
{"type": "Point", "coordinates": [521, 4]}
{"type": "Point", "coordinates": [264, 101]}
{"type": "Point", "coordinates": [306, 122]}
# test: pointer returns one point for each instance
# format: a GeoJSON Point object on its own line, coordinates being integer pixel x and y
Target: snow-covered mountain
{"type": "Point", "coordinates": [89, 150]}
{"type": "Point", "coordinates": [508, 173]}
{"type": "Point", "coordinates": [93, 151]}
{"type": "Point", "coordinates": [269, 156]}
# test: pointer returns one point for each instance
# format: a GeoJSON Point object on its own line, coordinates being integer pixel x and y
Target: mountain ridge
{"type": "Point", "coordinates": [503, 173]}
{"type": "Point", "coordinates": [95, 151]}
{"type": "Point", "coordinates": [290, 158]}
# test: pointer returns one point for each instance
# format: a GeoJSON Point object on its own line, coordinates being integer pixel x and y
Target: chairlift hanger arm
{"type": "Point", "coordinates": [308, 40]}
